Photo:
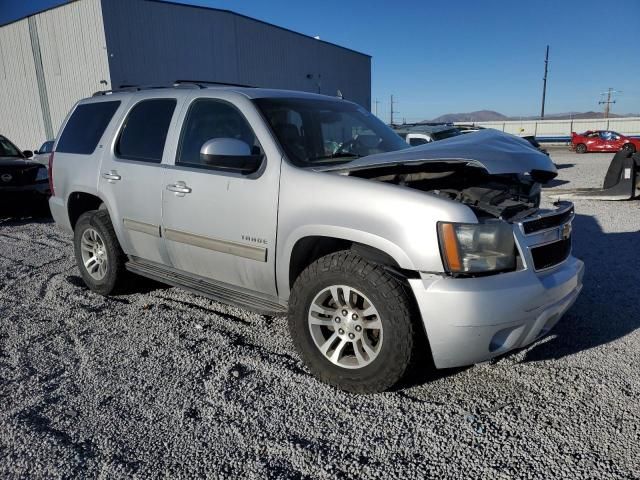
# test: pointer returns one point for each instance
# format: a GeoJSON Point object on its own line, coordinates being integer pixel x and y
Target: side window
{"type": "Point", "coordinates": [208, 119]}
{"type": "Point", "coordinates": [414, 142]}
{"type": "Point", "coordinates": [604, 135]}
{"type": "Point", "coordinates": [46, 147]}
{"type": "Point", "coordinates": [145, 130]}
{"type": "Point", "coordinates": [86, 126]}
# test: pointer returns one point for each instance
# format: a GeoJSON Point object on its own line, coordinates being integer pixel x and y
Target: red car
{"type": "Point", "coordinates": [603, 141]}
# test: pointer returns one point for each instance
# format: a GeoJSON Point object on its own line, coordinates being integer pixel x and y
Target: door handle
{"type": "Point", "coordinates": [112, 176]}
{"type": "Point", "coordinates": [180, 188]}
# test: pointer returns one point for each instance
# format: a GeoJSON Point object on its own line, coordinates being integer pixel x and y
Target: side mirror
{"type": "Point", "coordinates": [230, 154]}
{"type": "Point", "coordinates": [27, 153]}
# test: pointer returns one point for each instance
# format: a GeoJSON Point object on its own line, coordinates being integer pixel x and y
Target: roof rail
{"type": "Point", "coordinates": [206, 83]}
{"type": "Point", "coordinates": [128, 88]}
{"type": "Point", "coordinates": [177, 83]}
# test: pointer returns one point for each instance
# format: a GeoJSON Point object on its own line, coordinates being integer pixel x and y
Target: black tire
{"type": "Point", "coordinates": [581, 148]}
{"type": "Point", "coordinates": [629, 147]}
{"type": "Point", "coordinates": [394, 305]}
{"type": "Point", "coordinates": [116, 273]}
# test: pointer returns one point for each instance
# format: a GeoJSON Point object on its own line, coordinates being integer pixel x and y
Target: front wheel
{"type": "Point", "coordinates": [98, 254]}
{"type": "Point", "coordinates": [581, 148]}
{"type": "Point", "coordinates": [350, 320]}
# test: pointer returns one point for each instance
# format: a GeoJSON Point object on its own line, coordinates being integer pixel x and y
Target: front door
{"type": "Point", "coordinates": [221, 224]}
{"type": "Point", "coordinates": [131, 177]}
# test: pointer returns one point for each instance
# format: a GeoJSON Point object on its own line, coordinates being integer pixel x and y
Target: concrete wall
{"type": "Point", "coordinates": [47, 63]}
{"type": "Point", "coordinates": [152, 42]}
{"type": "Point", "coordinates": [563, 128]}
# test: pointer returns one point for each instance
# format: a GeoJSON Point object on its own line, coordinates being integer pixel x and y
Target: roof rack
{"type": "Point", "coordinates": [127, 88]}
{"type": "Point", "coordinates": [177, 83]}
{"type": "Point", "coordinates": [206, 83]}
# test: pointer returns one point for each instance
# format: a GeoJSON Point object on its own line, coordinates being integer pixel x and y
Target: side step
{"type": "Point", "coordinates": [218, 291]}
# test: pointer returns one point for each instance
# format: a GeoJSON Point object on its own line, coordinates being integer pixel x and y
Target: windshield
{"type": "Point", "coordinates": [7, 149]}
{"type": "Point", "coordinates": [314, 132]}
{"type": "Point", "coordinates": [454, 132]}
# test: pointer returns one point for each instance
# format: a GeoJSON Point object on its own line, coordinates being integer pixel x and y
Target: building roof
{"type": "Point", "coordinates": [185, 5]}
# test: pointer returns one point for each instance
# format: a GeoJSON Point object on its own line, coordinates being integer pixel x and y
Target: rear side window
{"type": "Point", "coordinates": [86, 126]}
{"type": "Point", "coordinates": [145, 130]}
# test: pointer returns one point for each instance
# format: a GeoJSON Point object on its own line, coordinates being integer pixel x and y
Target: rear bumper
{"type": "Point", "coordinates": [471, 320]}
{"type": "Point", "coordinates": [59, 213]}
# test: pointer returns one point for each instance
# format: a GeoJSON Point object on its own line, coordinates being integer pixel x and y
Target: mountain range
{"type": "Point", "coordinates": [492, 116]}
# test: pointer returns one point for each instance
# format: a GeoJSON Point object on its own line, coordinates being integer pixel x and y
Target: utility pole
{"type": "Point", "coordinates": [544, 82]}
{"type": "Point", "coordinates": [376, 103]}
{"type": "Point", "coordinates": [392, 111]}
{"type": "Point", "coordinates": [607, 103]}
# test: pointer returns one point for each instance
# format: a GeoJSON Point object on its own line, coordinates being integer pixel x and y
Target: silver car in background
{"type": "Point", "coordinates": [42, 154]}
{"type": "Point", "coordinates": [288, 202]}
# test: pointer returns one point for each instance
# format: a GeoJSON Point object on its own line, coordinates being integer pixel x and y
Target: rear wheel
{"type": "Point", "coordinates": [350, 320]}
{"type": "Point", "coordinates": [581, 148]}
{"type": "Point", "coordinates": [629, 147]}
{"type": "Point", "coordinates": [98, 253]}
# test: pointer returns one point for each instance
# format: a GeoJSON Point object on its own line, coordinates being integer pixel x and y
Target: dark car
{"type": "Point", "coordinates": [534, 142]}
{"type": "Point", "coordinates": [24, 184]}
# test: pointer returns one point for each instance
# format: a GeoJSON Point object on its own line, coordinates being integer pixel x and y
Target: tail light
{"type": "Point", "coordinates": [53, 193]}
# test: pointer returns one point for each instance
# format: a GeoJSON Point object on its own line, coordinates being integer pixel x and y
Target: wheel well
{"type": "Point", "coordinates": [307, 250]}
{"type": "Point", "coordinates": [80, 202]}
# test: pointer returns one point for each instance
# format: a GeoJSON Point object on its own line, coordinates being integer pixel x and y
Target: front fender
{"type": "Point", "coordinates": [398, 221]}
{"type": "Point", "coordinates": [339, 233]}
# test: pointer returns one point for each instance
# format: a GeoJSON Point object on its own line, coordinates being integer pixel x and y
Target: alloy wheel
{"type": "Point", "coordinates": [94, 254]}
{"type": "Point", "coordinates": [345, 326]}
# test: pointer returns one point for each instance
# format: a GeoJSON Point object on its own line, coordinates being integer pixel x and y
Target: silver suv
{"type": "Point", "coordinates": [308, 205]}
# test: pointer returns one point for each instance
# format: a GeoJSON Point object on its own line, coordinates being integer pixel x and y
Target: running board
{"type": "Point", "coordinates": [218, 291]}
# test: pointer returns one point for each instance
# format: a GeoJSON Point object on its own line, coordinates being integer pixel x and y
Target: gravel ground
{"type": "Point", "coordinates": [163, 383]}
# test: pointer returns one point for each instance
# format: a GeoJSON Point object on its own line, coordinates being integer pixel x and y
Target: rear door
{"type": "Point", "coordinates": [131, 176]}
{"type": "Point", "coordinates": [222, 226]}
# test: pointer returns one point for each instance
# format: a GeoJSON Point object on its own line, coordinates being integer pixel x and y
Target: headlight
{"type": "Point", "coordinates": [477, 247]}
{"type": "Point", "coordinates": [42, 175]}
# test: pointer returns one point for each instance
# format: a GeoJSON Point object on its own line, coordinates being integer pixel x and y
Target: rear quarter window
{"type": "Point", "coordinates": [86, 126]}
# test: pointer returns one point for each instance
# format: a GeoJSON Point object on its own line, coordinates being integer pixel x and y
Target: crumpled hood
{"type": "Point", "coordinates": [496, 152]}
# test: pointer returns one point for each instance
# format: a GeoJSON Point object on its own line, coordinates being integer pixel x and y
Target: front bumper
{"type": "Point", "coordinates": [471, 320]}
{"type": "Point", "coordinates": [18, 197]}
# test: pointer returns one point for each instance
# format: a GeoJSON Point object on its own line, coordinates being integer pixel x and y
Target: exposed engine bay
{"type": "Point", "coordinates": [509, 197]}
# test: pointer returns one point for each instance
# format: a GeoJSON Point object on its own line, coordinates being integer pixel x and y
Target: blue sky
{"type": "Point", "coordinates": [441, 57]}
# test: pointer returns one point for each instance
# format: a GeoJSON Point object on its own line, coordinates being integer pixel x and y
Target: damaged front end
{"type": "Point", "coordinates": [499, 177]}
{"type": "Point", "coordinates": [495, 174]}
{"type": "Point", "coordinates": [508, 197]}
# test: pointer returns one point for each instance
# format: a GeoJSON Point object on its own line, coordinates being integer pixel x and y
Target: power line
{"type": "Point", "coordinates": [607, 103]}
